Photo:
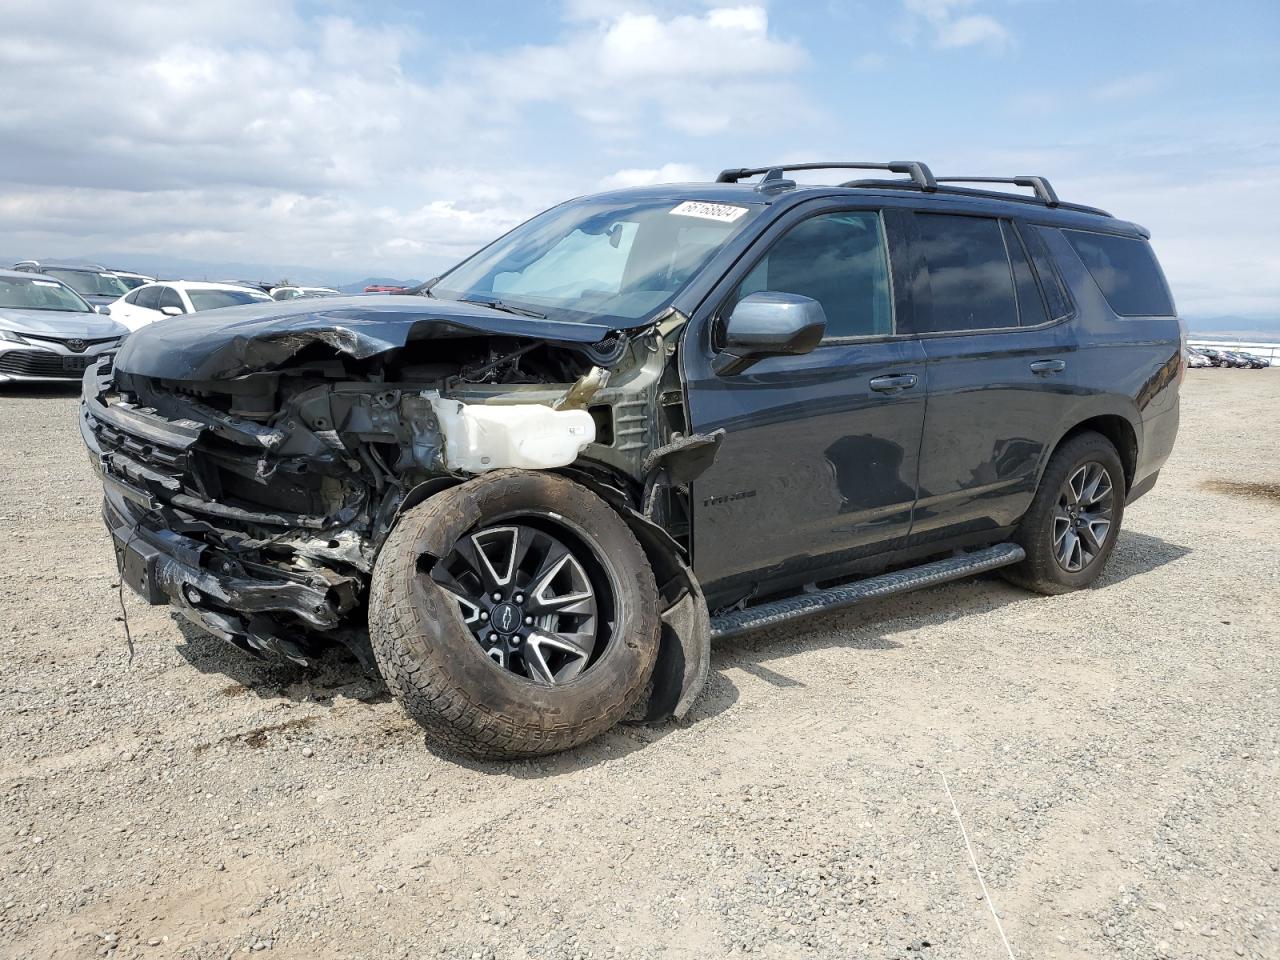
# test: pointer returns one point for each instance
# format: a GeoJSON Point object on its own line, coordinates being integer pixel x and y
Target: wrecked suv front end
{"type": "Point", "coordinates": [480, 489]}
{"type": "Point", "coordinates": [253, 469]}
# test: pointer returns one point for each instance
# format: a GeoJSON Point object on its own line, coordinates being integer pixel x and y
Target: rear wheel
{"type": "Point", "coordinates": [514, 615]}
{"type": "Point", "coordinates": [1072, 524]}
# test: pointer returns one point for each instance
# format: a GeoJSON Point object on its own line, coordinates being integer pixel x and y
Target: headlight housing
{"type": "Point", "coordinates": [10, 336]}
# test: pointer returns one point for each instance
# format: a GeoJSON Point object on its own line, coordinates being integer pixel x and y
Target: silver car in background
{"type": "Point", "coordinates": [48, 332]}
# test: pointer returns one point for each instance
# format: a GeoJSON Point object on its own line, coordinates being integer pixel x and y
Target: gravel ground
{"type": "Point", "coordinates": [1113, 755]}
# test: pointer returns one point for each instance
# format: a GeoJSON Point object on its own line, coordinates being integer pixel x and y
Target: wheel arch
{"type": "Point", "coordinates": [1117, 428]}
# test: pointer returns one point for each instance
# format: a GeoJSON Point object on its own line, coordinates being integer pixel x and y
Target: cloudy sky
{"type": "Point", "coordinates": [393, 138]}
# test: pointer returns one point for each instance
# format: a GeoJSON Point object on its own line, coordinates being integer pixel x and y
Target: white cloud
{"type": "Point", "coordinates": [950, 27]}
{"type": "Point", "coordinates": [238, 128]}
{"type": "Point", "coordinates": [701, 74]}
{"type": "Point", "coordinates": [667, 173]}
{"type": "Point", "coordinates": [1132, 87]}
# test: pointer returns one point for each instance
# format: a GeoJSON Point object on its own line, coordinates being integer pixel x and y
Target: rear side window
{"type": "Point", "coordinates": [1126, 272]}
{"type": "Point", "coordinates": [969, 274]}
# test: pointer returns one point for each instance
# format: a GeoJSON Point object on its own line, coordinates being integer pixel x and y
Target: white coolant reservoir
{"type": "Point", "coordinates": [532, 436]}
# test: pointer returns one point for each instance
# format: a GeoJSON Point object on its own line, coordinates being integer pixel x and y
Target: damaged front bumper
{"type": "Point", "coordinates": [259, 608]}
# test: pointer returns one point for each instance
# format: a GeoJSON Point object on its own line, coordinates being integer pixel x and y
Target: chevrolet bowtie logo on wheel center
{"type": "Point", "coordinates": [506, 617]}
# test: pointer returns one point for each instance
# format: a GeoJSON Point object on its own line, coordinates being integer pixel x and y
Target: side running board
{"type": "Point", "coordinates": [886, 584]}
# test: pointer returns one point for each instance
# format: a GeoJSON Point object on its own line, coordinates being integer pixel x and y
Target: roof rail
{"type": "Point", "coordinates": [919, 172]}
{"type": "Point", "coordinates": [1039, 184]}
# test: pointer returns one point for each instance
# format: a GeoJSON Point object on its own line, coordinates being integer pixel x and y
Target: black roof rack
{"type": "Point", "coordinates": [919, 172]}
{"type": "Point", "coordinates": [1039, 184]}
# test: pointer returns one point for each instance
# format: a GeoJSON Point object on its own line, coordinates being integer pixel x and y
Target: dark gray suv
{"type": "Point", "coordinates": [531, 492]}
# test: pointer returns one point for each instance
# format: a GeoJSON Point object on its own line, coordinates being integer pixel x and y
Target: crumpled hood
{"type": "Point", "coordinates": [56, 323]}
{"type": "Point", "coordinates": [232, 341]}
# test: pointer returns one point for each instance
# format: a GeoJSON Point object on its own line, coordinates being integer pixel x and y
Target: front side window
{"type": "Point", "coordinates": [211, 299]}
{"type": "Point", "coordinates": [89, 284]}
{"type": "Point", "coordinates": [149, 297]}
{"type": "Point", "coordinates": [970, 276]}
{"type": "Point", "coordinates": [169, 298]}
{"type": "Point", "coordinates": [1126, 272]}
{"type": "Point", "coordinates": [20, 293]}
{"type": "Point", "coordinates": [839, 260]}
{"type": "Point", "coordinates": [131, 283]}
{"type": "Point", "coordinates": [597, 260]}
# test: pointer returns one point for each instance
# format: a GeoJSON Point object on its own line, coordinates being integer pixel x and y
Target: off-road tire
{"type": "Point", "coordinates": [438, 671]}
{"type": "Point", "coordinates": [1040, 571]}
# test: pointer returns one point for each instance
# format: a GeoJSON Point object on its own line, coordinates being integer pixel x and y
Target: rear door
{"type": "Point", "coordinates": [818, 466]}
{"type": "Point", "coordinates": [1000, 372]}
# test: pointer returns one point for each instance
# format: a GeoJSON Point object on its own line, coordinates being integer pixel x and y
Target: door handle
{"type": "Point", "coordinates": [893, 383]}
{"type": "Point", "coordinates": [1046, 367]}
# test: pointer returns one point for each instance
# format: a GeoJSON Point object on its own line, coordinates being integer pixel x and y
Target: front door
{"type": "Point", "coordinates": [819, 463]}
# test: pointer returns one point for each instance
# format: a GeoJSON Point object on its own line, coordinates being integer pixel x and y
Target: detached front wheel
{"type": "Point", "coordinates": [514, 615]}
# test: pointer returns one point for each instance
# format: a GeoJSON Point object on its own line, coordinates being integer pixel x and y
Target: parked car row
{"type": "Point", "coordinates": [57, 317]}
{"type": "Point", "coordinates": [1209, 357]}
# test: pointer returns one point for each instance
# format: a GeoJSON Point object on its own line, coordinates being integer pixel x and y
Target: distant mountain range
{"type": "Point", "coordinates": [177, 268]}
{"type": "Point", "coordinates": [1242, 328]}
{"type": "Point", "coordinates": [359, 285]}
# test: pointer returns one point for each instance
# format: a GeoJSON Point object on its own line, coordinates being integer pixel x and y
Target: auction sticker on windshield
{"type": "Point", "coordinates": [724, 212]}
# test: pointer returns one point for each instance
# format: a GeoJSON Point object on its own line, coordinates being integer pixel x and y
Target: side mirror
{"type": "Point", "coordinates": [172, 311]}
{"type": "Point", "coordinates": [769, 324]}
{"type": "Point", "coordinates": [104, 308]}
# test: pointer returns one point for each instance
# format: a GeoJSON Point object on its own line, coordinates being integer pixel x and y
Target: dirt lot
{"type": "Point", "coordinates": [1114, 755]}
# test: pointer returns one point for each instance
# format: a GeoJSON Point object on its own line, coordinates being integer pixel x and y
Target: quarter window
{"type": "Point", "coordinates": [1031, 310]}
{"type": "Point", "coordinates": [969, 274]}
{"type": "Point", "coordinates": [839, 260]}
{"type": "Point", "coordinates": [1126, 272]}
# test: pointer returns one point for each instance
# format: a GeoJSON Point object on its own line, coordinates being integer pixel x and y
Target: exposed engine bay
{"type": "Point", "coordinates": [256, 503]}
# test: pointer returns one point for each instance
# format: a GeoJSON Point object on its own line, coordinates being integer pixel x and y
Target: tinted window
{"type": "Point", "coordinates": [839, 260]}
{"type": "Point", "coordinates": [1126, 271]}
{"type": "Point", "coordinates": [1031, 310]}
{"type": "Point", "coordinates": [89, 284]}
{"type": "Point", "coordinates": [132, 297]}
{"type": "Point", "coordinates": [208, 299]}
{"type": "Point", "coordinates": [1055, 294]}
{"type": "Point", "coordinates": [969, 273]}
{"type": "Point", "coordinates": [169, 298]}
{"type": "Point", "coordinates": [149, 297]}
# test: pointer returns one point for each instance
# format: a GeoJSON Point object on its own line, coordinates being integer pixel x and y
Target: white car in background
{"type": "Point", "coordinates": [293, 293]}
{"type": "Point", "coordinates": [173, 298]}
{"type": "Point", "coordinates": [132, 280]}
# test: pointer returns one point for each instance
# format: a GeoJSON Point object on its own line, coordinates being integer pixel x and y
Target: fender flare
{"type": "Point", "coordinates": [684, 651]}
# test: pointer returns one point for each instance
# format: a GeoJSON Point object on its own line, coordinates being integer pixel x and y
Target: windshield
{"type": "Point", "coordinates": [596, 260]}
{"type": "Point", "coordinates": [37, 294]}
{"type": "Point", "coordinates": [90, 284]}
{"type": "Point", "coordinates": [210, 299]}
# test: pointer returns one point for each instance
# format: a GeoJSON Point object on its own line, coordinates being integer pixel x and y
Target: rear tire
{"type": "Point", "coordinates": [577, 642]}
{"type": "Point", "coordinates": [1071, 527]}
